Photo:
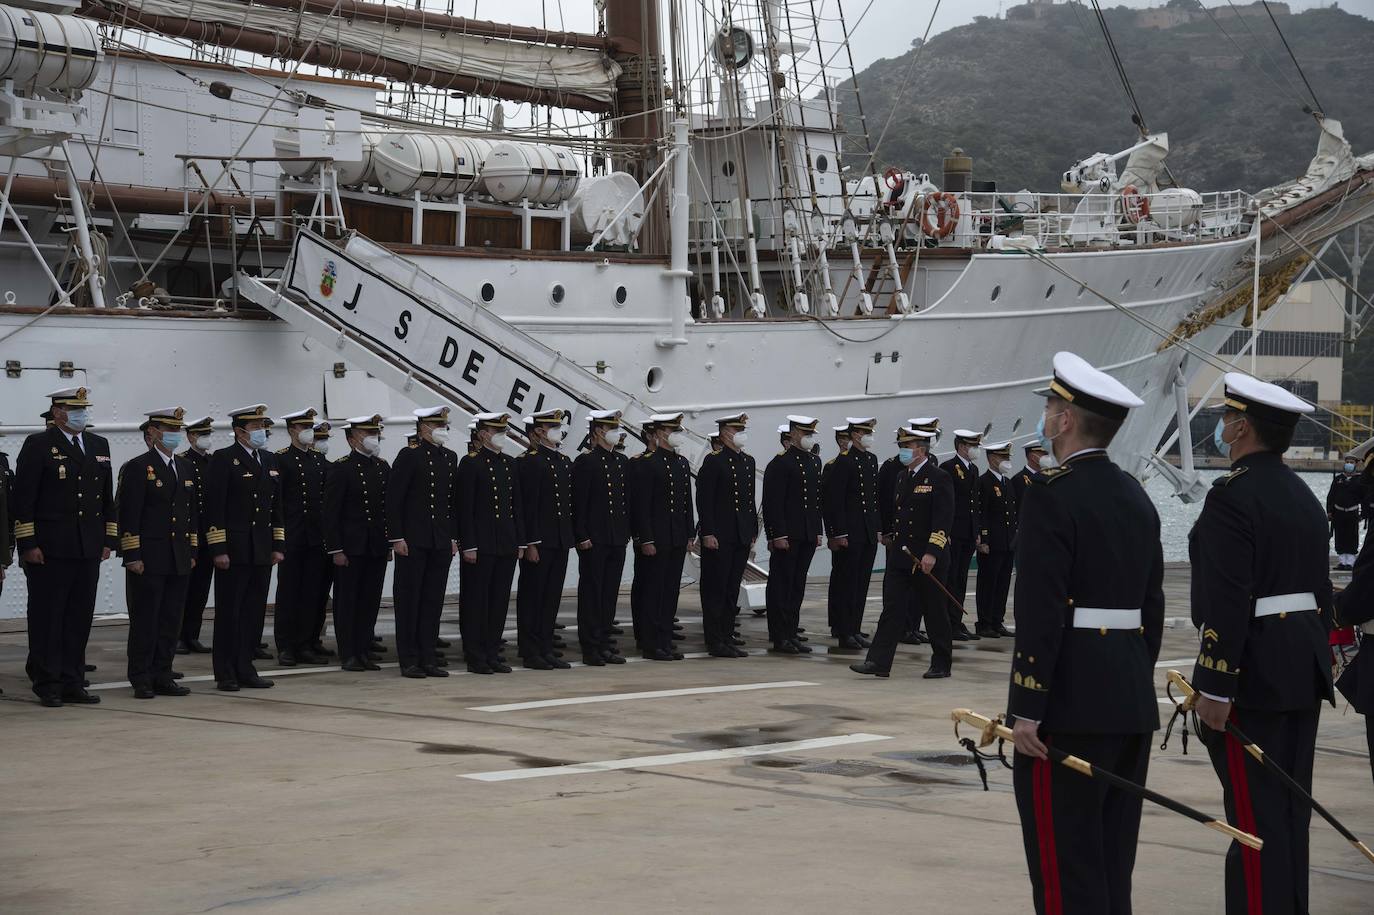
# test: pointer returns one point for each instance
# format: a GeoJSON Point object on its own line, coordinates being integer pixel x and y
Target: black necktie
{"type": "Point", "coordinates": [76, 440]}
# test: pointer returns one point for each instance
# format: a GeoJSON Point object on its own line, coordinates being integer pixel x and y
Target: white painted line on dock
{"type": "Point", "coordinates": [210, 678]}
{"type": "Point", "coordinates": [672, 759]}
{"type": "Point", "coordinates": [1173, 662]}
{"type": "Point", "coordinates": [625, 697]}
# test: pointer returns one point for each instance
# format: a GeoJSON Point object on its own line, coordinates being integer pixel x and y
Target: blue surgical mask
{"type": "Point", "coordinates": [1223, 447]}
{"type": "Point", "coordinates": [257, 438]}
{"type": "Point", "coordinates": [172, 440]}
{"type": "Point", "coordinates": [78, 419]}
{"type": "Point", "coordinates": [1349, 467]}
{"type": "Point", "coordinates": [1046, 441]}
{"type": "Point", "coordinates": [906, 456]}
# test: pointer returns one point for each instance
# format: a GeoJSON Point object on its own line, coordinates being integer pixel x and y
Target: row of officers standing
{"type": "Point", "coordinates": [186, 519]}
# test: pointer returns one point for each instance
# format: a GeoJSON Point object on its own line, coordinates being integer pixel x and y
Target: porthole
{"type": "Point", "coordinates": [621, 294]}
{"type": "Point", "coordinates": [728, 168]}
{"type": "Point", "coordinates": [1049, 292]}
{"type": "Point", "coordinates": [1126, 285]}
{"type": "Point", "coordinates": [654, 381]}
{"type": "Point", "coordinates": [557, 294]}
{"type": "Point", "coordinates": [822, 163]}
{"type": "Point", "coordinates": [996, 291]}
{"type": "Point", "coordinates": [488, 292]}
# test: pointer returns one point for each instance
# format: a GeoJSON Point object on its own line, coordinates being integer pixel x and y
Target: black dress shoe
{"type": "Point", "coordinates": [182, 649]}
{"type": "Point", "coordinates": [987, 632]}
{"type": "Point", "coordinates": [309, 657]}
{"type": "Point", "coordinates": [678, 627]}
{"type": "Point", "coordinates": [739, 652]}
{"type": "Point", "coordinates": [144, 692]}
{"type": "Point", "coordinates": [50, 701]}
{"type": "Point", "coordinates": [500, 666]}
{"type": "Point", "coordinates": [317, 647]}
{"type": "Point", "coordinates": [679, 637]}
{"type": "Point", "coordinates": [262, 644]}
{"type": "Point", "coordinates": [760, 611]}
{"type": "Point", "coordinates": [90, 667]}
{"type": "Point", "coordinates": [378, 647]}
{"type": "Point", "coordinates": [936, 672]}
{"type": "Point", "coordinates": [617, 630]}
{"type": "Point", "coordinates": [656, 654]}
{"type": "Point", "coordinates": [1004, 632]}
{"type": "Point", "coordinates": [177, 675]}
{"type": "Point", "coordinates": [81, 697]}
{"type": "Point", "coordinates": [736, 640]}
{"type": "Point", "coordinates": [170, 689]}
{"type": "Point", "coordinates": [414, 672]}
{"type": "Point", "coordinates": [722, 651]}
{"type": "Point", "coordinates": [257, 683]}
{"type": "Point", "coordinates": [370, 664]}
{"type": "Point", "coordinates": [353, 665]}
{"type": "Point", "coordinates": [801, 638]}
{"type": "Point", "coordinates": [262, 655]}
{"type": "Point", "coordinates": [611, 657]}
{"type": "Point", "coordinates": [376, 638]}
{"type": "Point", "coordinates": [870, 669]}
{"type": "Point", "coordinates": [559, 626]}
{"type": "Point", "coordinates": [801, 629]}
{"type": "Point", "coordinates": [677, 656]}
{"type": "Point", "coordinates": [962, 635]}
{"type": "Point", "coordinates": [441, 662]}
{"type": "Point", "coordinates": [784, 648]}
{"type": "Point", "coordinates": [593, 660]}
{"type": "Point", "coordinates": [914, 637]}
{"type": "Point", "coordinates": [197, 647]}
{"type": "Point", "coordinates": [863, 640]}
{"type": "Point", "coordinates": [802, 649]}
{"type": "Point", "coordinates": [535, 663]}
{"type": "Point", "coordinates": [556, 653]}
{"type": "Point", "coordinates": [227, 686]}
{"type": "Point", "coordinates": [285, 659]}
{"type": "Point", "coordinates": [85, 683]}
{"type": "Point", "coordinates": [848, 643]}
{"type": "Point", "coordinates": [479, 667]}
{"type": "Point", "coordinates": [557, 663]}
{"type": "Point", "coordinates": [374, 656]}
{"type": "Point", "coordinates": [432, 671]}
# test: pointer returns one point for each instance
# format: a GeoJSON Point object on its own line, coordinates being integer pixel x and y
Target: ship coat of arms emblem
{"type": "Point", "coordinates": [328, 277]}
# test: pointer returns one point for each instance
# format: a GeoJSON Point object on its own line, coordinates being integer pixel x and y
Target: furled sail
{"type": "Point", "coordinates": [405, 46]}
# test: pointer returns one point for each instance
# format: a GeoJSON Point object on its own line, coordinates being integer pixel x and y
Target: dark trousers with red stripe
{"type": "Point", "coordinates": [1272, 881]}
{"type": "Point", "coordinates": [1080, 834]}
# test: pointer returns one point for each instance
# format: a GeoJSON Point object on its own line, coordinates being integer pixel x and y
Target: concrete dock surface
{"type": "Point", "coordinates": [799, 787]}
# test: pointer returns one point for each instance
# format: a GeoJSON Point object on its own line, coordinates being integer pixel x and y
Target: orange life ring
{"type": "Point", "coordinates": [1134, 205]}
{"type": "Point", "coordinates": [946, 207]}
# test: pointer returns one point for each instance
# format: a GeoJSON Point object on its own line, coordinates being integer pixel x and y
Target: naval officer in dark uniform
{"type": "Point", "coordinates": [491, 538]}
{"type": "Point", "coordinates": [792, 523]}
{"type": "Point", "coordinates": [601, 526]}
{"type": "Point", "coordinates": [964, 539]}
{"type": "Point", "coordinates": [853, 522]}
{"type": "Point", "coordinates": [1034, 451]}
{"type": "Point", "coordinates": [664, 527]}
{"type": "Point", "coordinates": [1261, 598]}
{"type": "Point", "coordinates": [354, 532]}
{"type": "Point", "coordinates": [158, 541]}
{"type": "Point", "coordinates": [301, 575]}
{"type": "Point", "coordinates": [196, 458]}
{"type": "Point", "coordinates": [6, 524]}
{"type": "Point", "coordinates": [317, 624]}
{"type": "Point", "coordinates": [65, 526]}
{"type": "Point", "coordinates": [997, 536]}
{"type": "Point", "coordinates": [835, 587]}
{"type": "Point", "coordinates": [923, 509]}
{"type": "Point", "coordinates": [1089, 618]}
{"type": "Point", "coordinates": [1355, 607]}
{"type": "Point", "coordinates": [728, 522]}
{"type": "Point", "coordinates": [1344, 500]}
{"type": "Point", "coordinates": [247, 537]}
{"type": "Point", "coordinates": [545, 476]}
{"type": "Point", "coordinates": [422, 522]}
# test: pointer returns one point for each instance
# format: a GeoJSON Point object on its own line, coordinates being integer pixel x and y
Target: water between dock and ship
{"type": "Point", "coordinates": [1176, 517]}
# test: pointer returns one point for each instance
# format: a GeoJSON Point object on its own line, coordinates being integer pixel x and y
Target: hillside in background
{"type": "Point", "coordinates": [1027, 97]}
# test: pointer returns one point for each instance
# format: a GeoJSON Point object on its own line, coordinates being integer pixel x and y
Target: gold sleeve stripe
{"type": "Point", "coordinates": [215, 535]}
{"type": "Point", "coordinates": [278, 533]}
{"type": "Point", "coordinates": [26, 529]}
{"type": "Point", "coordinates": [939, 538]}
{"type": "Point", "coordinates": [195, 539]}
{"type": "Point", "coordinates": [111, 529]}
{"type": "Point", "coordinates": [129, 542]}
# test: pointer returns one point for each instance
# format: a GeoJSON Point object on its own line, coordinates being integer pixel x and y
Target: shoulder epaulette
{"type": "Point", "coordinates": [340, 460]}
{"type": "Point", "coordinates": [412, 444]}
{"type": "Point", "coordinates": [282, 450]}
{"type": "Point", "coordinates": [1049, 475]}
{"type": "Point", "coordinates": [1226, 479]}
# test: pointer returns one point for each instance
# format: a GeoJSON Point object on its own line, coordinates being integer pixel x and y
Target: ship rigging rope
{"type": "Point", "coordinates": [1291, 56]}
{"type": "Point", "coordinates": [1120, 68]}
{"type": "Point", "coordinates": [1246, 55]}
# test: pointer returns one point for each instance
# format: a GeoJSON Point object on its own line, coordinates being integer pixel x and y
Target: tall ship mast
{"type": "Point", "coordinates": [369, 206]}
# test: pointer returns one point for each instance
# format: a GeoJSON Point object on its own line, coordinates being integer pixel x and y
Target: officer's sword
{"type": "Point", "coordinates": [916, 567]}
{"type": "Point", "coordinates": [994, 728]}
{"type": "Point", "coordinates": [1190, 700]}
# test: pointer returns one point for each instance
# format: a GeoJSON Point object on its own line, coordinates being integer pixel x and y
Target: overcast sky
{"type": "Point", "coordinates": [886, 30]}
